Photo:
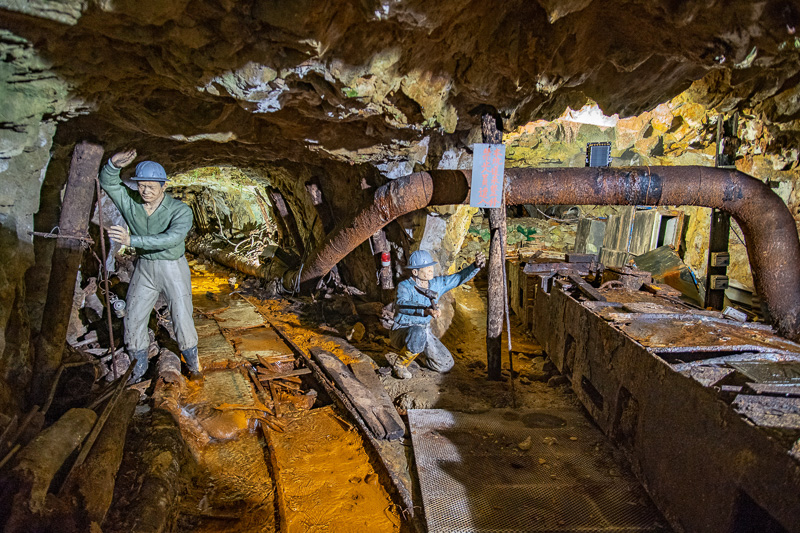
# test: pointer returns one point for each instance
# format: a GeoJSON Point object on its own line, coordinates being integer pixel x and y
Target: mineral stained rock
{"type": "Point", "coordinates": [365, 81]}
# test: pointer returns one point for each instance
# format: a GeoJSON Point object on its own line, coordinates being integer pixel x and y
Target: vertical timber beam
{"type": "Point", "coordinates": [496, 292]}
{"type": "Point", "coordinates": [74, 220]}
{"type": "Point", "coordinates": [289, 220]}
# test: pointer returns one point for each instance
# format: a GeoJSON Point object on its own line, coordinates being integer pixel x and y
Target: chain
{"type": "Point", "coordinates": [55, 233]}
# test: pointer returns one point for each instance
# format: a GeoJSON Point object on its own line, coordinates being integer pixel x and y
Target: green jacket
{"type": "Point", "coordinates": [158, 236]}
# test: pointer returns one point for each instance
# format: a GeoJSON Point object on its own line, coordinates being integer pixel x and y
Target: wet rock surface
{"type": "Point", "coordinates": [364, 82]}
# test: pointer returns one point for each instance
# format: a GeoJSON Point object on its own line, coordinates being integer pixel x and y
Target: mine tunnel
{"type": "Point", "coordinates": [399, 266]}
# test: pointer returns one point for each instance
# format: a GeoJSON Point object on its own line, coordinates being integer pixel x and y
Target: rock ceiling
{"type": "Point", "coordinates": [204, 81]}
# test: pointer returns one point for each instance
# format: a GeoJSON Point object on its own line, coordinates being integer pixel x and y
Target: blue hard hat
{"type": "Point", "coordinates": [149, 171]}
{"type": "Point", "coordinates": [420, 259]}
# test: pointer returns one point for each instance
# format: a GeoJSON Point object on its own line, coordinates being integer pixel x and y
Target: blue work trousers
{"type": "Point", "coordinates": [421, 340]}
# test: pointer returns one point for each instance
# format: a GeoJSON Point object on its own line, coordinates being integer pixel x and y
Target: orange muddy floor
{"type": "Point", "coordinates": [318, 476]}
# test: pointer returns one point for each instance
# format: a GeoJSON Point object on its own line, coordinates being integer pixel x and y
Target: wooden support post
{"type": "Point", "coordinates": [98, 426]}
{"type": "Point", "coordinates": [289, 220]}
{"type": "Point", "coordinates": [497, 229]}
{"type": "Point", "coordinates": [75, 212]}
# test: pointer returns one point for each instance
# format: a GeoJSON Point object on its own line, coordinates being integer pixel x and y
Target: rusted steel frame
{"type": "Point", "coordinates": [770, 232]}
{"type": "Point", "coordinates": [74, 220]}
{"type": "Point", "coordinates": [676, 432]}
{"type": "Point", "coordinates": [719, 233]}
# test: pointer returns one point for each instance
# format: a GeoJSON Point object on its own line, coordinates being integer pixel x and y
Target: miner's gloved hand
{"type": "Point", "coordinates": [123, 159]}
{"type": "Point", "coordinates": [480, 260]}
{"type": "Point", "coordinates": [120, 235]}
{"type": "Point", "coordinates": [435, 313]}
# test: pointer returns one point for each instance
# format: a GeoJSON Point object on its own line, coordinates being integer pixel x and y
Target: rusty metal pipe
{"type": "Point", "coordinates": [769, 228]}
{"type": "Point", "coordinates": [770, 231]}
{"type": "Point", "coordinates": [396, 198]}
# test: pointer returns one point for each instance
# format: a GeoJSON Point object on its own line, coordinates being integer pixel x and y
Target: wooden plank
{"type": "Point", "coordinates": [358, 394]}
{"type": "Point", "coordinates": [580, 258]}
{"type": "Point", "coordinates": [369, 407]}
{"type": "Point", "coordinates": [274, 358]}
{"type": "Point", "coordinates": [287, 384]}
{"type": "Point", "coordinates": [586, 289]}
{"type": "Point", "coordinates": [642, 231]}
{"type": "Point", "coordinates": [276, 403]}
{"type": "Point", "coordinates": [266, 376]}
{"type": "Point", "coordinates": [261, 392]}
{"type": "Point", "coordinates": [367, 376]}
{"type": "Point", "coordinates": [539, 268]}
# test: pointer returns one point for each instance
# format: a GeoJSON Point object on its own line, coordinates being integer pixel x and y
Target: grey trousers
{"type": "Point", "coordinates": [151, 278]}
{"type": "Point", "coordinates": [420, 339]}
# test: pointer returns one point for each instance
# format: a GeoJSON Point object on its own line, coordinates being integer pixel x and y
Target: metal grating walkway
{"type": "Point", "coordinates": [475, 478]}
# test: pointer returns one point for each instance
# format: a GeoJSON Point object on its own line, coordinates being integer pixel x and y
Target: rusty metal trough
{"type": "Point", "coordinates": [706, 408]}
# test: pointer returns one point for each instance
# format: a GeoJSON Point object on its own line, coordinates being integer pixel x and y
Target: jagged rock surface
{"type": "Point", "coordinates": [364, 81]}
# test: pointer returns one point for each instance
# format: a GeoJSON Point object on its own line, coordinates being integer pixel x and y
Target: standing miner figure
{"type": "Point", "coordinates": [158, 226]}
{"type": "Point", "coordinates": [416, 306]}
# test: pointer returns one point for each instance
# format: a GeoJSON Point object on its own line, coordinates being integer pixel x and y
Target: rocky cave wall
{"type": "Point", "coordinates": [350, 94]}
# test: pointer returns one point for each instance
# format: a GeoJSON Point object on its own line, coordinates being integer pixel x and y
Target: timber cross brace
{"type": "Point", "coordinates": [769, 228]}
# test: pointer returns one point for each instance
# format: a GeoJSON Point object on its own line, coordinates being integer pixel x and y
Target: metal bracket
{"type": "Point", "coordinates": [720, 259]}
{"type": "Point", "coordinates": [718, 283]}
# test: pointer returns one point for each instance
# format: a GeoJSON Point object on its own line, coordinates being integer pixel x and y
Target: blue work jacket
{"type": "Point", "coordinates": [411, 305]}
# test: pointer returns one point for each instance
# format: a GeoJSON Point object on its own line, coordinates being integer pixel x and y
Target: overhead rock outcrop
{"type": "Point", "coordinates": [364, 81]}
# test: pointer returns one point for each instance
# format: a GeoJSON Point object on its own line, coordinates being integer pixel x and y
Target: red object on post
{"type": "Point", "coordinates": [386, 259]}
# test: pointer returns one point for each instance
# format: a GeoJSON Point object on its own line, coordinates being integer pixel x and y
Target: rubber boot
{"type": "Point", "coordinates": [193, 362]}
{"type": "Point", "coordinates": [400, 366]}
{"type": "Point", "coordinates": [140, 367]}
